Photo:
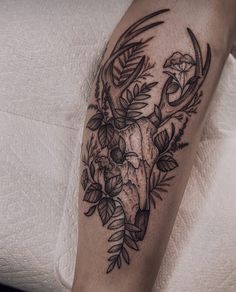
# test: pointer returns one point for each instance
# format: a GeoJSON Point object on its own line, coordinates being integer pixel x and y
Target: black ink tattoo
{"type": "Point", "coordinates": [129, 159]}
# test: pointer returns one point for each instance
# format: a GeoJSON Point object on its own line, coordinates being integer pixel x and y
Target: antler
{"type": "Point", "coordinates": [167, 107]}
{"type": "Point", "coordinates": [131, 33]}
{"type": "Point", "coordinates": [123, 46]}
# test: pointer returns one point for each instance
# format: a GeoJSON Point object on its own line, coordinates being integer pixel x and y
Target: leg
{"type": "Point", "coordinates": [143, 125]}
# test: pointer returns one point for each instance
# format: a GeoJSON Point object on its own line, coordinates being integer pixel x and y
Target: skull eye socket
{"type": "Point", "coordinates": [117, 155]}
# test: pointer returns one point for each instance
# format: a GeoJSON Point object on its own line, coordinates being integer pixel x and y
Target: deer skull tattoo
{"type": "Point", "coordinates": [129, 159]}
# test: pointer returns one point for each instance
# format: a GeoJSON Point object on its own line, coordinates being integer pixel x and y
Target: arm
{"type": "Point", "coordinates": [143, 125]}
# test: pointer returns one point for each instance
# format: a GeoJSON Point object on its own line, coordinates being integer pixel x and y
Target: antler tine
{"type": "Point", "coordinates": [141, 30]}
{"type": "Point", "coordinates": [130, 31]}
{"type": "Point", "coordinates": [208, 61]}
{"type": "Point", "coordinates": [198, 54]}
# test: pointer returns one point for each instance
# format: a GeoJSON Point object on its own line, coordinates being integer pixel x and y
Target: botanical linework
{"type": "Point", "coordinates": [129, 158]}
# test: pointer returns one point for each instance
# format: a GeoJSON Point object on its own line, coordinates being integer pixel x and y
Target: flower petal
{"type": "Point", "coordinates": [174, 59]}
{"type": "Point", "coordinates": [188, 59]}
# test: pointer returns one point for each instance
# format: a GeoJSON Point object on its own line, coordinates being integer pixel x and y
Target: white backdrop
{"type": "Point", "coordinates": [48, 54]}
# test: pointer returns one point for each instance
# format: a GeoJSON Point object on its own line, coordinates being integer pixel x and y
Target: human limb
{"type": "Point", "coordinates": [141, 120]}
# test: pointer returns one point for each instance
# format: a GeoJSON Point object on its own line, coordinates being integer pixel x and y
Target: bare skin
{"type": "Point", "coordinates": [144, 121]}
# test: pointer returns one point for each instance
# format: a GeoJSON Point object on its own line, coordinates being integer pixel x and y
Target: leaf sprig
{"type": "Point", "coordinates": [145, 72]}
{"type": "Point", "coordinates": [134, 101]}
{"type": "Point", "coordinates": [122, 240]}
{"type": "Point", "coordinates": [191, 108]}
{"type": "Point", "coordinates": [176, 145]}
{"type": "Point", "coordinates": [92, 151]}
{"type": "Point", "coordinates": [158, 186]}
{"type": "Point", "coordinates": [126, 64]}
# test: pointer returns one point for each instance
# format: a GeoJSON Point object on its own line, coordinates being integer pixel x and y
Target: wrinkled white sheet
{"type": "Point", "coordinates": [48, 53]}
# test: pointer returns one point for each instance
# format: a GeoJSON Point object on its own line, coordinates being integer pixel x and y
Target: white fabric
{"type": "Point", "coordinates": [48, 53]}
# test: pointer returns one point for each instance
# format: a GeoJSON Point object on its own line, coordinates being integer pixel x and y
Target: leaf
{"type": "Point", "coordinates": [151, 85]}
{"type": "Point", "coordinates": [145, 88]}
{"type": "Point", "coordinates": [125, 255]}
{"type": "Point", "coordinates": [129, 96]}
{"type": "Point", "coordinates": [141, 221]}
{"type": "Point", "coordinates": [136, 90]}
{"type": "Point", "coordinates": [95, 122]}
{"type": "Point", "coordinates": [132, 227]}
{"type": "Point", "coordinates": [162, 141]}
{"type": "Point", "coordinates": [118, 262]}
{"type": "Point", "coordinates": [119, 211]}
{"type": "Point", "coordinates": [192, 80]}
{"type": "Point", "coordinates": [129, 121]}
{"type": "Point", "coordinates": [92, 169]}
{"type": "Point", "coordinates": [106, 209]}
{"type": "Point", "coordinates": [93, 193]}
{"type": "Point", "coordinates": [137, 105]}
{"type": "Point", "coordinates": [118, 71]}
{"type": "Point", "coordinates": [111, 267]}
{"type": "Point", "coordinates": [131, 243]}
{"type": "Point", "coordinates": [123, 103]}
{"type": "Point", "coordinates": [155, 180]}
{"type": "Point", "coordinates": [115, 248]}
{"type": "Point", "coordinates": [133, 114]}
{"type": "Point", "coordinates": [113, 185]}
{"type": "Point", "coordinates": [172, 75]}
{"type": "Point", "coordinates": [120, 112]}
{"type": "Point", "coordinates": [116, 236]}
{"type": "Point", "coordinates": [112, 258]}
{"type": "Point", "coordinates": [120, 122]}
{"type": "Point", "coordinates": [116, 224]}
{"type": "Point", "coordinates": [156, 194]}
{"type": "Point", "coordinates": [168, 178]}
{"type": "Point", "coordinates": [166, 163]}
{"type": "Point", "coordinates": [105, 135]}
{"type": "Point", "coordinates": [144, 85]}
{"type": "Point", "coordinates": [84, 178]}
{"type": "Point", "coordinates": [161, 190]}
{"type": "Point", "coordinates": [142, 97]}
{"type": "Point", "coordinates": [172, 88]}
{"type": "Point", "coordinates": [91, 211]}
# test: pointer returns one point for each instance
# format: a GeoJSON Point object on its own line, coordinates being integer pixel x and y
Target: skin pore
{"type": "Point", "coordinates": [144, 120]}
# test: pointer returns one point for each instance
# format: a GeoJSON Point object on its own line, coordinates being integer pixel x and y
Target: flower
{"type": "Point", "coordinates": [179, 62]}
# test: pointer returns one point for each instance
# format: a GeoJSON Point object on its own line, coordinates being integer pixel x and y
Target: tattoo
{"type": "Point", "coordinates": [130, 157]}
